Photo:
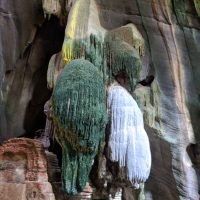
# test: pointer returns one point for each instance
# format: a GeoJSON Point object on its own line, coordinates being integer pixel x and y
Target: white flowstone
{"type": "Point", "coordinates": [128, 142]}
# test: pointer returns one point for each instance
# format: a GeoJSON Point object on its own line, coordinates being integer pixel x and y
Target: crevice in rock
{"type": "Point", "coordinates": [23, 89]}
{"type": "Point", "coordinates": [52, 35]}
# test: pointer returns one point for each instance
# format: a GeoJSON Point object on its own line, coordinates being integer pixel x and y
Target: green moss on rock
{"type": "Point", "coordinates": [80, 117]}
{"type": "Point", "coordinates": [121, 57]}
{"type": "Point", "coordinates": [89, 48]}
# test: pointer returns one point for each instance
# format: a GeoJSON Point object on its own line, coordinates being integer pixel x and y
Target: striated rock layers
{"type": "Point", "coordinates": [27, 41]}
{"type": "Point", "coordinates": [171, 33]}
{"type": "Point", "coordinates": [23, 171]}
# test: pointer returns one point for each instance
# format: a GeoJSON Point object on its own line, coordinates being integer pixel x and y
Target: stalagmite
{"type": "Point", "coordinates": [128, 142]}
{"type": "Point", "coordinates": [123, 58]}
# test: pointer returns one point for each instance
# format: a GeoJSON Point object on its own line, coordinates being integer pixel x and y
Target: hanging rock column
{"type": "Point", "coordinates": [80, 117]}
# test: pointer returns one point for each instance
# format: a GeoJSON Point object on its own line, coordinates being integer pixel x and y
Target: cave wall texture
{"type": "Point", "coordinates": [171, 30]}
{"type": "Point", "coordinates": [27, 42]}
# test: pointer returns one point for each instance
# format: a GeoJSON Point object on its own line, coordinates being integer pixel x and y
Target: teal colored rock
{"type": "Point", "coordinates": [80, 117]}
{"type": "Point", "coordinates": [121, 57]}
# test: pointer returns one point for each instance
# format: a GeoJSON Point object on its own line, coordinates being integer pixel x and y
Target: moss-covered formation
{"type": "Point", "coordinates": [131, 35]}
{"type": "Point", "coordinates": [89, 48]}
{"type": "Point", "coordinates": [79, 112]}
{"type": "Point", "coordinates": [110, 55]}
{"type": "Point", "coordinates": [121, 57]}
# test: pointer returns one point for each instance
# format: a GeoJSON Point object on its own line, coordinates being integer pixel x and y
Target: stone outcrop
{"type": "Point", "coordinates": [23, 171]}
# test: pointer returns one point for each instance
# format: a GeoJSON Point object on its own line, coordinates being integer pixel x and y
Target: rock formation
{"type": "Point", "coordinates": [169, 32]}
{"type": "Point", "coordinates": [27, 43]}
{"type": "Point", "coordinates": [23, 173]}
{"type": "Point", "coordinates": [80, 117]}
{"type": "Point", "coordinates": [128, 142]}
{"type": "Point", "coordinates": [84, 38]}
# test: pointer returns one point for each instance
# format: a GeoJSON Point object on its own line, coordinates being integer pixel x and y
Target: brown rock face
{"type": "Point", "coordinates": [26, 43]}
{"type": "Point", "coordinates": [23, 173]}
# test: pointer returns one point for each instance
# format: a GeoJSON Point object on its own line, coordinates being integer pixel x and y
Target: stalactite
{"type": "Point", "coordinates": [129, 34]}
{"type": "Point", "coordinates": [76, 115]}
{"type": "Point", "coordinates": [54, 69]}
{"type": "Point", "coordinates": [90, 48]}
{"type": "Point", "coordinates": [119, 48]}
{"type": "Point", "coordinates": [79, 114]}
{"type": "Point", "coordinates": [68, 53]}
{"type": "Point", "coordinates": [51, 7]}
{"type": "Point", "coordinates": [110, 55]}
{"type": "Point", "coordinates": [128, 142]}
{"type": "Point", "coordinates": [121, 57]}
